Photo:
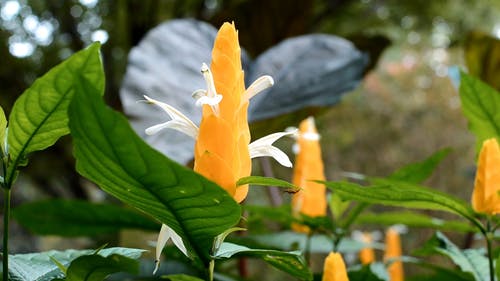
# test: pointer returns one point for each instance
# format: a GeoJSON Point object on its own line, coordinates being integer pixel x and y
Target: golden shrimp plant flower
{"type": "Point", "coordinates": [366, 255]}
{"type": "Point", "coordinates": [334, 268]}
{"type": "Point", "coordinates": [393, 253]}
{"type": "Point", "coordinates": [485, 197]}
{"type": "Point", "coordinates": [222, 151]}
{"type": "Point", "coordinates": [311, 199]}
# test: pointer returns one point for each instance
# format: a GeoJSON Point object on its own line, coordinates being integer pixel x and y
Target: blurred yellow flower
{"type": "Point", "coordinates": [311, 199]}
{"type": "Point", "coordinates": [485, 197]}
{"type": "Point", "coordinates": [366, 255]}
{"type": "Point", "coordinates": [334, 268]}
{"type": "Point", "coordinates": [393, 251]}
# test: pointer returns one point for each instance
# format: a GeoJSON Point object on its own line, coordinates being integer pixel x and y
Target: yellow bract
{"type": "Point", "coordinates": [221, 150]}
{"type": "Point", "coordinates": [366, 255]}
{"type": "Point", "coordinates": [485, 197]}
{"type": "Point", "coordinates": [393, 251]}
{"type": "Point", "coordinates": [334, 268]}
{"type": "Point", "coordinates": [311, 200]}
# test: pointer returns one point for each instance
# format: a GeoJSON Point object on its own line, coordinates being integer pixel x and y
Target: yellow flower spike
{"type": "Point", "coordinates": [485, 197]}
{"type": "Point", "coordinates": [311, 200]}
{"type": "Point", "coordinates": [366, 255]}
{"type": "Point", "coordinates": [221, 149]}
{"type": "Point", "coordinates": [334, 268]}
{"type": "Point", "coordinates": [393, 251]}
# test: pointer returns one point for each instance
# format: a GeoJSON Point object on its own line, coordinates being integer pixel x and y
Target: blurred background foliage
{"type": "Point", "coordinates": [406, 108]}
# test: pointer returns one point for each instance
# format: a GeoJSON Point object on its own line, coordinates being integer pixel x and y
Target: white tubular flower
{"type": "Point", "coordinates": [179, 121]}
{"type": "Point", "coordinates": [258, 86]}
{"type": "Point", "coordinates": [167, 233]}
{"type": "Point", "coordinates": [208, 96]}
{"type": "Point", "coordinates": [264, 147]}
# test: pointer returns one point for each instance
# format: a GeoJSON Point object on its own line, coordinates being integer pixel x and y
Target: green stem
{"type": "Point", "coordinates": [6, 215]}
{"type": "Point", "coordinates": [211, 267]}
{"type": "Point", "coordinates": [488, 237]}
{"type": "Point", "coordinates": [308, 247]}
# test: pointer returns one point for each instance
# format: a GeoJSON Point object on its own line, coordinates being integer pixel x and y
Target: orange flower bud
{"type": "Point", "coordinates": [334, 268]}
{"type": "Point", "coordinates": [366, 255]}
{"type": "Point", "coordinates": [311, 200]}
{"type": "Point", "coordinates": [485, 197]}
{"type": "Point", "coordinates": [393, 250]}
{"type": "Point", "coordinates": [221, 149]}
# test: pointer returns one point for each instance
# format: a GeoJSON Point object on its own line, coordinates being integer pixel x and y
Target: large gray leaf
{"type": "Point", "coordinates": [310, 70]}
{"type": "Point", "coordinates": [166, 66]}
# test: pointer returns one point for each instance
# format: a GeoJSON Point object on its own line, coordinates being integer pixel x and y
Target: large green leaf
{"type": "Point", "coordinates": [418, 172]}
{"type": "Point", "coordinates": [290, 262]}
{"type": "Point", "coordinates": [97, 268]}
{"type": "Point", "coordinates": [413, 219]}
{"type": "Point", "coordinates": [109, 153]}
{"type": "Point", "coordinates": [267, 181]}
{"type": "Point", "coordinates": [403, 194]}
{"type": "Point", "coordinates": [471, 260]}
{"type": "Point", "coordinates": [79, 218]}
{"type": "Point", "coordinates": [181, 277]}
{"type": "Point", "coordinates": [373, 272]}
{"type": "Point", "coordinates": [481, 106]}
{"type": "Point", "coordinates": [40, 266]}
{"type": "Point", "coordinates": [39, 116]}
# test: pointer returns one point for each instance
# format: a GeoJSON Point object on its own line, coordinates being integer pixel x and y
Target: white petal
{"type": "Point", "coordinates": [165, 234]}
{"type": "Point", "coordinates": [263, 147]}
{"type": "Point", "coordinates": [160, 244]}
{"type": "Point", "coordinates": [209, 79]}
{"type": "Point", "coordinates": [179, 121]}
{"type": "Point", "coordinates": [177, 241]}
{"type": "Point", "coordinates": [212, 101]}
{"type": "Point", "coordinates": [258, 86]}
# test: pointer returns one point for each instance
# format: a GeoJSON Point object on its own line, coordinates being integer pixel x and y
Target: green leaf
{"type": "Point", "coordinates": [290, 262]}
{"type": "Point", "coordinates": [79, 218]}
{"type": "Point", "coordinates": [418, 172]}
{"type": "Point", "coordinates": [481, 107]}
{"type": "Point", "coordinates": [40, 267]}
{"type": "Point", "coordinates": [109, 153]}
{"type": "Point", "coordinates": [497, 268]}
{"type": "Point", "coordinates": [39, 116]}
{"type": "Point", "coordinates": [412, 219]}
{"type": "Point", "coordinates": [181, 277]}
{"type": "Point", "coordinates": [97, 267]}
{"type": "Point", "coordinates": [402, 194]}
{"type": "Point", "coordinates": [471, 260]}
{"type": "Point", "coordinates": [266, 181]}
{"type": "Point", "coordinates": [439, 272]}
{"type": "Point", "coordinates": [374, 272]}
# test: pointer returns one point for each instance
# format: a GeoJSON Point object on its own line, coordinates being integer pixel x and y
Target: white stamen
{"type": "Point", "coordinates": [212, 98]}
{"type": "Point", "coordinates": [264, 147]}
{"type": "Point", "coordinates": [179, 121]}
{"type": "Point", "coordinates": [258, 86]}
{"type": "Point", "coordinates": [165, 234]}
{"type": "Point", "coordinates": [202, 98]}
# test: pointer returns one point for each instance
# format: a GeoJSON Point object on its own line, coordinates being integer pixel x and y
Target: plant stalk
{"type": "Point", "coordinates": [6, 216]}
{"type": "Point", "coordinates": [488, 237]}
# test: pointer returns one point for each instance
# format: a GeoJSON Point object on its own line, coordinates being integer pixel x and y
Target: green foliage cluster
{"type": "Point", "coordinates": [68, 99]}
